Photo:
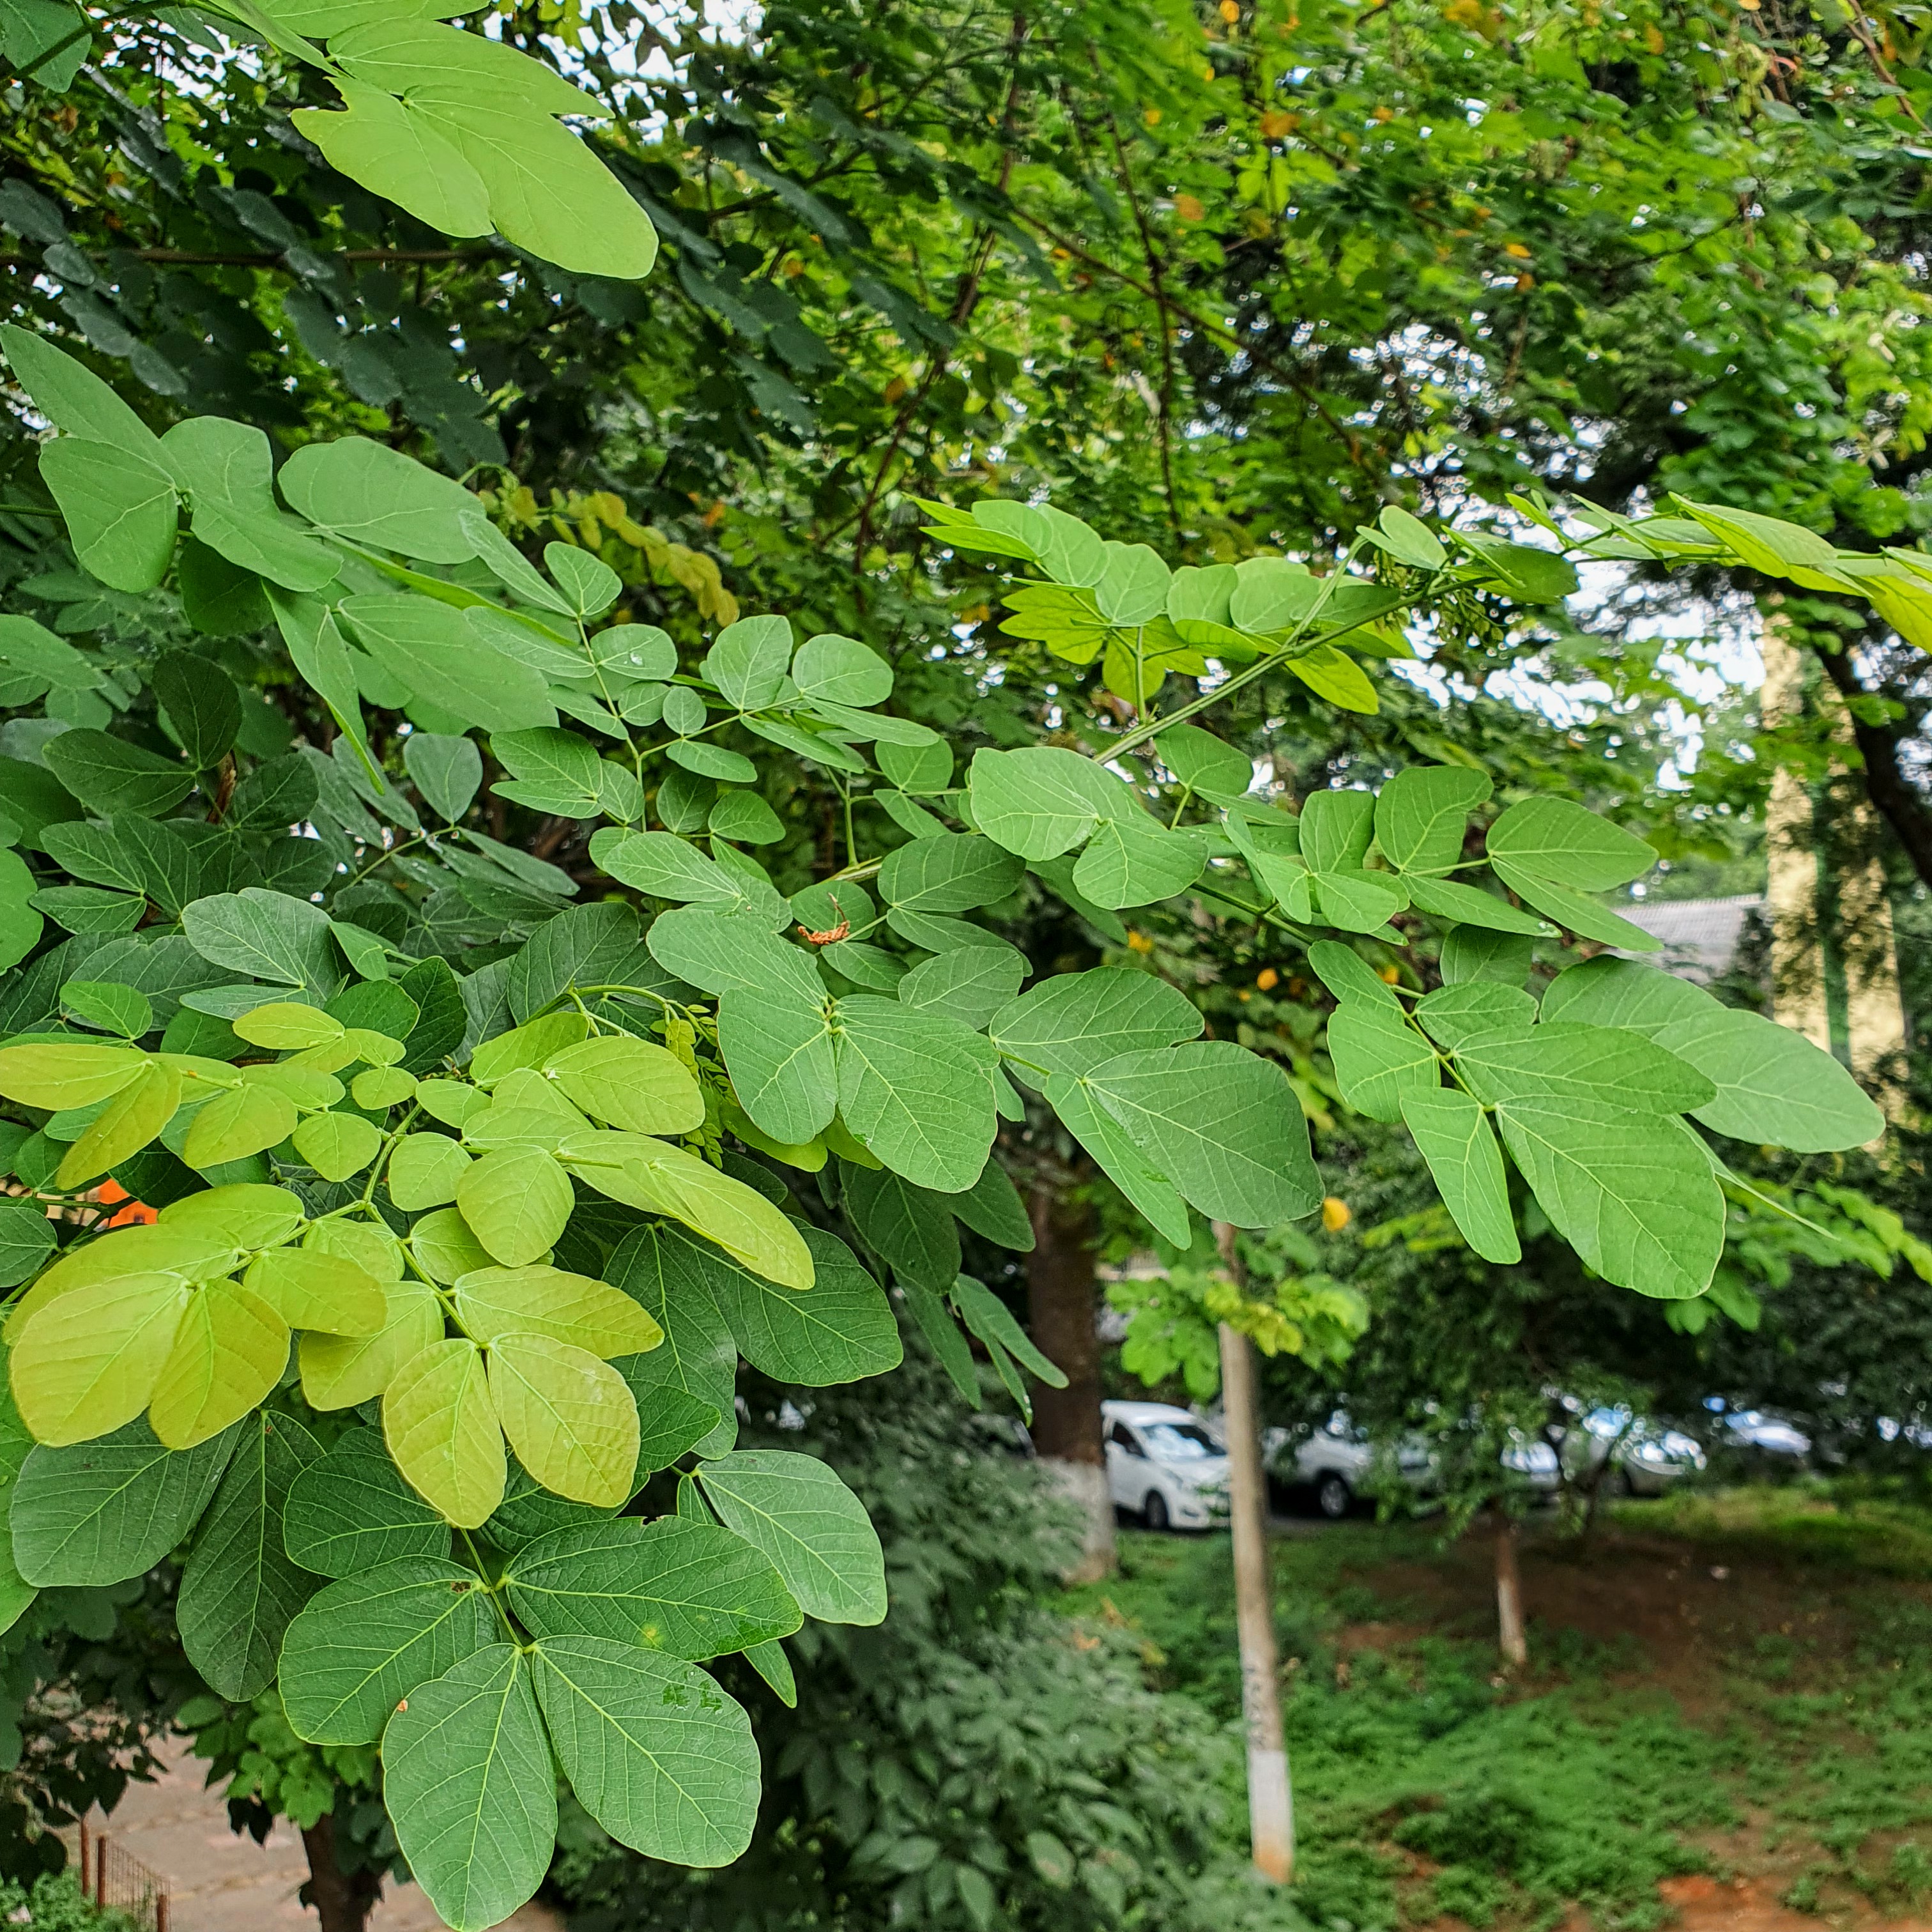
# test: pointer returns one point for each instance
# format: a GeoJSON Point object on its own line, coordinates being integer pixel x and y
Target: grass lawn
{"type": "Point", "coordinates": [1727, 1719]}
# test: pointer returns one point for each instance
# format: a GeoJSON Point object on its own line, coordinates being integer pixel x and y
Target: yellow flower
{"type": "Point", "coordinates": [1335, 1215]}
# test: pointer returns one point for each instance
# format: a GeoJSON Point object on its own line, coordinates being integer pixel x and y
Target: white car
{"type": "Point", "coordinates": [1646, 1458]}
{"type": "Point", "coordinates": [1164, 1465]}
{"type": "Point", "coordinates": [1336, 1461]}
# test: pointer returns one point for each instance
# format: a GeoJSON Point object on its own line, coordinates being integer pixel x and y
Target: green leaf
{"type": "Point", "coordinates": [644, 1089]}
{"type": "Point", "coordinates": [266, 543]}
{"type": "Point", "coordinates": [654, 1751]}
{"type": "Point", "coordinates": [591, 586]}
{"type": "Point", "coordinates": [1349, 976]}
{"type": "Point", "coordinates": [991, 1207]}
{"type": "Point", "coordinates": [920, 769]}
{"type": "Point", "coordinates": [467, 1769]}
{"type": "Point", "coordinates": [1378, 1056]}
{"type": "Point", "coordinates": [529, 1045]}
{"type": "Point", "coordinates": [341, 1371]}
{"type": "Point", "coordinates": [1459, 1145]}
{"type": "Point", "coordinates": [1421, 814]}
{"type": "Point", "coordinates": [129, 1121]}
{"type": "Point", "coordinates": [283, 1024]}
{"type": "Point", "coordinates": [492, 1303]}
{"type": "Point", "coordinates": [954, 872]}
{"type": "Point", "coordinates": [402, 156]}
{"type": "Point", "coordinates": [1620, 993]}
{"type": "Point", "coordinates": [949, 1347]}
{"type": "Point", "coordinates": [989, 1318]}
{"type": "Point", "coordinates": [746, 816]}
{"type": "Point", "coordinates": [1330, 674]}
{"type": "Point", "coordinates": [1336, 827]}
{"type": "Point", "coordinates": [688, 1590]}
{"type": "Point", "coordinates": [239, 1591]}
{"type": "Point", "coordinates": [268, 935]}
{"type": "Point", "coordinates": [1556, 839]}
{"type": "Point", "coordinates": [1768, 543]}
{"type": "Point", "coordinates": [429, 649]}
{"type": "Point", "coordinates": [311, 1287]}
{"type": "Point", "coordinates": [1452, 1015]}
{"type": "Point", "coordinates": [813, 1528]}
{"type": "Point", "coordinates": [360, 1645]}
{"type": "Point", "coordinates": [516, 1202]}
{"type": "Point", "coordinates": [1072, 1022]}
{"type": "Point", "coordinates": [1580, 915]}
{"type": "Point", "coordinates": [233, 1126]}
{"type": "Point", "coordinates": [1222, 1123]}
{"type": "Point", "coordinates": [201, 704]}
{"type": "Point", "coordinates": [970, 984]}
{"type": "Point", "coordinates": [915, 1088]}
{"type": "Point", "coordinates": [1132, 861]}
{"type": "Point", "coordinates": [447, 771]}
{"type": "Point", "coordinates": [779, 1047]}
{"type": "Point", "coordinates": [839, 1330]}
{"type": "Point", "coordinates": [1773, 1085]}
{"type": "Point", "coordinates": [26, 1241]}
{"type": "Point", "coordinates": [440, 1424]}
{"type": "Point", "coordinates": [1120, 1159]}
{"type": "Point", "coordinates": [75, 399]}
{"type": "Point", "coordinates": [1564, 1061]}
{"type": "Point", "coordinates": [843, 671]}
{"type": "Point", "coordinates": [571, 1418]}
{"type": "Point", "coordinates": [59, 1077]}
{"type": "Point", "coordinates": [112, 776]}
{"type": "Point", "coordinates": [229, 1353]}
{"type": "Point", "coordinates": [373, 495]}
{"type": "Point", "coordinates": [1042, 801]}
{"type": "Point", "coordinates": [1358, 901]}
{"type": "Point", "coordinates": [351, 1511]}
{"type": "Point", "coordinates": [100, 1512]}
{"type": "Point", "coordinates": [1634, 1196]}
{"type": "Point", "coordinates": [747, 662]}
{"type": "Point", "coordinates": [1203, 763]}
{"type": "Point", "coordinates": [1448, 899]}
{"type": "Point", "coordinates": [698, 1358]}
{"type": "Point", "coordinates": [909, 1228]}
{"type": "Point", "coordinates": [1132, 588]}
{"type": "Point", "coordinates": [121, 511]}
{"type": "Point", "coordinates": [667, 867]}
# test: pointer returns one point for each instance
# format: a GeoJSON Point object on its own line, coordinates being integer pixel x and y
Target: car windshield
{"type": "Point", "coordinates": [1178, 1441]}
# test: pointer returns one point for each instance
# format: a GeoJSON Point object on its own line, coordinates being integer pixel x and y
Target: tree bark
{"type": "Point", "coordinates": [342, 1901]}
{"type": "Point", "coordinates": [1060, 1308]}
{"type": "Point", "coordinates": [1886, 784]}
{"type": "Point", "coordinates": [1270, 1797]}
{"type": "Point", "coordinates": [1512, 1638]}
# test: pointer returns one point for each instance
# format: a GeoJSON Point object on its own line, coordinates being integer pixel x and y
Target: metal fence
{"type": "Point", "coordinates": [117, 1881]}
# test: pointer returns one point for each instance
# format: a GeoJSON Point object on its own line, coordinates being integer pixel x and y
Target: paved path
{"type": "Point", "coordinates": [222, 1882]}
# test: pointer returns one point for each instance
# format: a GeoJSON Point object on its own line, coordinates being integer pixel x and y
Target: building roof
{"type": "Point", "coordinates": [1700, 937]}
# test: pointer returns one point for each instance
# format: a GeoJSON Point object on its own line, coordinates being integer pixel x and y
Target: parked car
{"type": "Point", "coordinates": [1164, 1465]}
{"type": "Point", "coordinates": [1333, 1463]}
{"type": "Point", "coordinates": [1759, 1435]}
{"type": "Point", "coordinates": [1644, 1458]}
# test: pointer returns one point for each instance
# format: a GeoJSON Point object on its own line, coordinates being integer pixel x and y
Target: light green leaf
{"type": "Point", "coordinates": [362, 1645]}
{"type": "Point", "coordinates": [916, 1089]}
{"type": "Point", "coordinates": [370, 493]}
{"type": "Point", "coordinates": [494, 1302]}
{"type": "Point", "coordinates": [839, 1330]}
{"type": "Point", "coordinates": [239, 1589]}
{"type": "Point", "coordinates": [1768, 544]}
{"type": "Point", "coordinates": [282, 1024]}
{"type": "Point", "coordinates": [129, 1121]}
{"type": "Point", "coordinates": [1773, 1085]}
{"type": "Point", "coordinates": [1562, 1060]}
{"type": "Point", "coordinates": [1421, 814]}
{"type": "Point", "coordinates": [748, 662]}
{"type": "Point", "coordinates": [1201, 762]}
{"type": "Point", "coordinates": [75, 399]}
{"type": "Point", "coordinates": [428, 648]}
{"type": "Point", "coordinates": [234, 1125]}
{"type": "Point", "coordinates": [1146, 1187]}
{"type": "Point", "coordinates": [343, 1371]}
{"type": "Point", "coordinates": [1635, 1196]}
{"type": "Point", "coordinates": [229, 1353]}
{"type": "Point", "coordinates": [842, 670]}
{"type": "Point", "coordinates": [778, 1045]}
{"type": "Point", "coordinates": [921, 770]}
{"type": "Point", "coordinates": [654, 1751]}
{"type": "Point", "coordinates": [1459, 1145]}
{"type": "Point", "coordinates": [1222, 1123]}
{"type": "Point", "coordinates": [570, 1417]}
{"type": "Point", "coordinates": [1330, 674]}
{"type": "Point", "coordinates": [1557, 839]}
{"type": "Point", "coordinates": [1042, 801]}
{"type": "Point", "coordinates": [121, 511]}
{"type": "Point", "coordinates": [631, 1085]}
{"type": "Point", "coordinates": [813, 1528]}
{"type": "Point", "coordinates": [337, 1145]}
{"type": "Point", "coordinates": [401, 155]}
{"type": "Point", "coordinates": [351, 1511]}
{"type": "Point", "coordinates": [86, 1362]}
{"type": "Point", "coordinates": [58, 1077]}
{"type": "Point", "coordinates": [467, 1770]}
{"type": "Point", "coordinates": [441, 1427]}
{"type": "Point", "coordinates": [687, 1589]}
{"type": "Point", "coordinates": [1131, 587]}
{"type": "Point", "coordinates": [100, 1512]}
{"type": "Point", "coordinates": [527, 1045]}
{"type": "Point", "coordinates": [310, 1288]}
{"type": "Point", "coordinates": [1358, 901]}
{"type": "Point", "coordinates": [247, 1215]}
{"type": "Point", "coordinates": [516, 1202]}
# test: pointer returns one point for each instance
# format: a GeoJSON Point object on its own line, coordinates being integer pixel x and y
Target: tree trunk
{"type": "Point", "coordinates": [1270, 1797]}
{"type": "Point", "coordinates": [1886, 784]}
{"type": "Point", "coordinates": [342, 1901]}
{"type": "Point", "coordinates": [1066, 1422]}
{"type": "Point", "coordinates": [1512, 1638]}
